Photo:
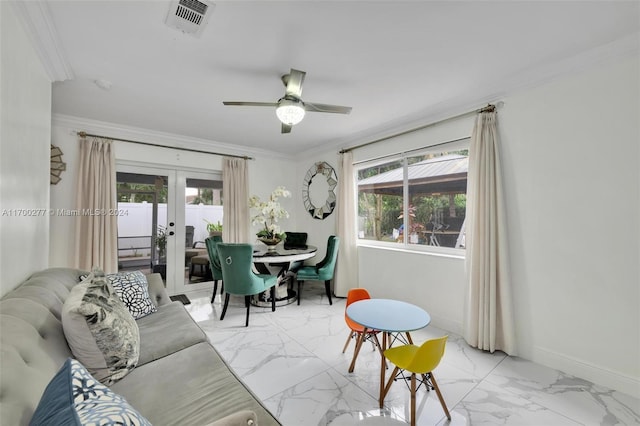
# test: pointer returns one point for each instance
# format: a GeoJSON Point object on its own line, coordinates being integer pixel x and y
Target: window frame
{"type": "Point", "coordinates": [460, 144]}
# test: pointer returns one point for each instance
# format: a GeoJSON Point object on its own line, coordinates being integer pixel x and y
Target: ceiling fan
{"type": "Point", "coordinates": [290, 108]}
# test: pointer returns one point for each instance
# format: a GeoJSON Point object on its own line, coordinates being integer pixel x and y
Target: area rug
{"type": "Point", "coordinates": [180, 298]}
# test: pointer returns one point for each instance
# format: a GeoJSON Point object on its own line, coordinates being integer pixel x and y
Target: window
{"type": "Point", "coordinates": [415, 200]}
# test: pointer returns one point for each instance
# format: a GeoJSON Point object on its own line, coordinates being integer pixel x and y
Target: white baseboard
{"type": "Point", "coordinates": [585, 370]}
{"type": "Point", "coordinates": [446, 324]}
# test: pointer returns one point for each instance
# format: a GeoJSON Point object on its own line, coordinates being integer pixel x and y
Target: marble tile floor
{"type": "Point", "coordinates": [292, 360]}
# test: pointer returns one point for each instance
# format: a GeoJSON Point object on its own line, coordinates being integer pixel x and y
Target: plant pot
{"type": "Point", "coordinates": [271, 243]}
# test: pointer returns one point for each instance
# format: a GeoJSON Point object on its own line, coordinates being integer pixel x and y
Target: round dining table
{"type": "Point", "coordinates": [262, 255]}
{"type": "Point", "coordinates": [281, 258]}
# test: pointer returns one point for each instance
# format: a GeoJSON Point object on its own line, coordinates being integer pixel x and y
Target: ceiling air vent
{"type": "Point", "coordinates": [189, 16]}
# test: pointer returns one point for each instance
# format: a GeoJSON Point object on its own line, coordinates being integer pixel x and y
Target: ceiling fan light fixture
{"type": "Point", "coordinates": [290, 111]}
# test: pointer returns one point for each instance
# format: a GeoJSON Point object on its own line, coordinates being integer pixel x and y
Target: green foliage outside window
{"type": "Point", "coordinates": [139, 193]}
{"type": "Point", "coordinates": [205, 196]}
{"type": "Point", "coordinates": [380, 202]}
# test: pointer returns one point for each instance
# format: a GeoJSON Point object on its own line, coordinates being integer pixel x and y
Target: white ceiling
{"type": "Point", "coordinates": [394, 62]}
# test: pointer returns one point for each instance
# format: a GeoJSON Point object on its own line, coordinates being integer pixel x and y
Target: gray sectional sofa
{"type": "Point", "coordinates": [180, 378]}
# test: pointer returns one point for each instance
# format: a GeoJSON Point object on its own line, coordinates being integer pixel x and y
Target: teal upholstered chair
{"type": "Point", "coordinates": [214, 263]}
{"type": "Point", "coordinates": [323, 270]}
{"type": "Point", "coordinates": [236, 261]}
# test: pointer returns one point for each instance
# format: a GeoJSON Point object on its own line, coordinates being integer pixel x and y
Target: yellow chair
{"type": "Point", "coordinates": [418, 360]}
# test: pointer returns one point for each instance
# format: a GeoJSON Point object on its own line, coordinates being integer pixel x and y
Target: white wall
{"type": "Point", "coordinates": [62, 242]}
{"type": "Point", "coordinates": [265, 174]}
{"type": "Point", "coordinates": [571, 169]}
{"type": "Point", "coordinates": [570, 150]}
{"type": "Point", "coordinates": [25, 128]}
{"type": "Point", "coordinates": [433, 282]}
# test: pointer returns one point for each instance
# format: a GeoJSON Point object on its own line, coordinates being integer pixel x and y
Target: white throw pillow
{"type": "Point", "coordinates": [99, 329]}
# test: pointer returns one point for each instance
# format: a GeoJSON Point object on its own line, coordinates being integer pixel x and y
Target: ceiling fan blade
{"type": "Point", "coordinates": [336, 109]}
{"type": "Point", "coordinates": [286, 128]}
{"type": "Point", "coordinates": [294, 82]}
{"type": "Point", "coordinates": [235, 103]}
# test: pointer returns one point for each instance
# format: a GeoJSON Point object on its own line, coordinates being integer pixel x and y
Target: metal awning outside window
{"type": "Point", "coordinates": [439, 175]}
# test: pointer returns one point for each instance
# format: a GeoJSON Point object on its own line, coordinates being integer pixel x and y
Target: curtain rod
{"type": "Point", "coordinates": [85, 134]}
{"type": "Point", "coordinates": [488, 108]}
{"type": "Point", "coordinates": [422, 148]}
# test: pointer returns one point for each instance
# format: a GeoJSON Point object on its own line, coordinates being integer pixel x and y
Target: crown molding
{"type": "Point", "coordinates": [39, 26]}
{"type": "Point", "coordinates": [116, 131]}
{"type": "Point", "coordinates": [612, 52]}
{"type": "Point", "coordinates": [617, 50]}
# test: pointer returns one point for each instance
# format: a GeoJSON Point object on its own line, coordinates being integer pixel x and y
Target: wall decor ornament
{"type": "Point", "coordinates": [320, 178]}
{"type": "Point", "coordinates": [57, 165]}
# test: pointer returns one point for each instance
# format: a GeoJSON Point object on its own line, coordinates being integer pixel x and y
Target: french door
{"type": "Point", "coordinates": [167, 211]}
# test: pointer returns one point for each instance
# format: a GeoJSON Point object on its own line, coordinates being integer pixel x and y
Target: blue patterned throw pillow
{"type": "Point", "coordinates": [74, 397]}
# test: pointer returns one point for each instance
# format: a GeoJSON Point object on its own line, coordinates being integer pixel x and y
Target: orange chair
{"type": "Point", "coordinates": [354, 295]}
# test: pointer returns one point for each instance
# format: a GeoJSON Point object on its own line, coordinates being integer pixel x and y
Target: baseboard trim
{"type": "Point", "coordinates": [585, 370]}
{"type": "Point", "coordinates": [446, 324]}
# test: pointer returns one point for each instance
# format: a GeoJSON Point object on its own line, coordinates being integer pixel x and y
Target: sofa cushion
{"type": "Point", "coordinates": [168, 330]}
{"type": "Point", "coordinates": [49, 287]}
{"type": "Point", "coordinates": [32, 349]}
{"type": "Point", "coordinates": [196, 380]}
{"type": "Point", "coordinates": [157, 291]}
{"type": "Point", "coordinates": [100, 331]}
{"type": "Point", "coordinates": [74, 397]}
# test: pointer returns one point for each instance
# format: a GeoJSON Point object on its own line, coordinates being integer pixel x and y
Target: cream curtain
{"type": "Point", "coordinates": [96, 238]}
{"type": "Point", "coordinates": [347, 266]}
{"type": "Point", "coordinates": [235, 190]}
{"type": "Point", "coordinates": [488, 322]}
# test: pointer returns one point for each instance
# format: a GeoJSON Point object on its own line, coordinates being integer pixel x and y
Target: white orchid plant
{"type": "Point", "coordinates": [268, 213]}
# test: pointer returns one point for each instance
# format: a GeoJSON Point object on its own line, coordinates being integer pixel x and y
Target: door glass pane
{"type": "Point", "coordinates": [142, 238]}
{"type": "Point", "coordinates": [203, 217]}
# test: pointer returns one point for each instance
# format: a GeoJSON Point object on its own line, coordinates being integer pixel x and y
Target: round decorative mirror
{"type": "Point", "coordinates": [57, 165]}
{"type": "Point", "coordinates": [318, 190]}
